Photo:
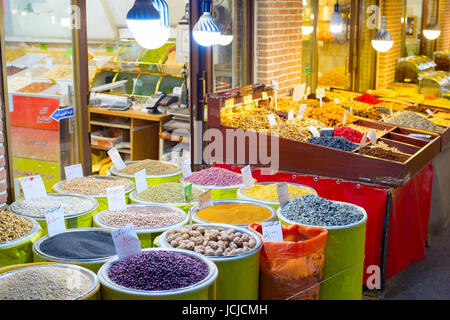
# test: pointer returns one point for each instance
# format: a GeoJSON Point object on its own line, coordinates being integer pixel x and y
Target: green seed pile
{"type": "Point", "coordinates": [152, 167]}
{"type": "Point", "coordinates": [13, 226]}
{"type": "Point", "coordinates": [167, 192]}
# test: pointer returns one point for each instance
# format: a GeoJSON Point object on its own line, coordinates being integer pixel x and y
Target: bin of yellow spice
{"type": "Point", "coordinates": [266, 192]}
{"type": "Point", "coordinates": [234, 212]}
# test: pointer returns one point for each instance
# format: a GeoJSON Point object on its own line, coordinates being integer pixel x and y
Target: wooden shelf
{"type": "Point", "coordinates": [111, 125]}
{"type": "Point", "coordinates": [127, 151]}
{"type": "Point", "coordinates": [134, 114]}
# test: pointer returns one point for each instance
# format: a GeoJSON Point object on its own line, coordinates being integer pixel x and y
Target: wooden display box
{"type": "Point", "coordinates": [318, 160]}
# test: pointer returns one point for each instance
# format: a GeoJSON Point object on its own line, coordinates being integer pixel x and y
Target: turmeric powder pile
{"type": "Point", "coordinates": [269, 192]}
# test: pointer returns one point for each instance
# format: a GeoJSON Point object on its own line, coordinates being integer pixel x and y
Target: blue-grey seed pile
{"type": "Point", "coordinates": [334, 142]}
{"type": "Point", "coordinates": [316, 211]}
{"type": "Point", "coordinates": [79, 245]}
{"type": "Point", "coordinates": [158, 270]}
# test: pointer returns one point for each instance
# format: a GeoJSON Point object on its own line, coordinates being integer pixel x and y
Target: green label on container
{"type": "Point", "coordinates": [68, 52]}
{"type": "Point", "coordinates": [188, 192]}
{"type": "Point", "coordinates": [44, 47]}
{"type": "Point", "coordinates": [308, 70]}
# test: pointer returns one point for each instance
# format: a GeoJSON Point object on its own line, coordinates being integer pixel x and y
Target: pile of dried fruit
{"type": "Point", "coordinates": [329, 114]}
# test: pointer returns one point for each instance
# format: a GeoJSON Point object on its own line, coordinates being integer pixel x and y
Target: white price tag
{"type": "Point", "coordinates": [372, 137]}
{"type": "Point", "coordinates": [74, 171]}
{"type": "Point", "coordinates": [187, 171]}
{"type": "Point", "coordinates": [283, 193]}
{"type": "Point", "coordinates": [320, 93]}
{"type": "Point", "coordinates": [55, 221]}
{"type": "Point", "coordinates": [384, 117]}
{"type": "Point", "coordinates": [204, 200]}
{"type": "Point", "coordinates": [33, 187]}
{"type": "Point", "coordinates": [126, 242]}
{"type": "Point", "coordinates": [351, 110]}
{"type": "Point", "coordinates": [272, 121]}
{"type": "Point", "coordinates": [321, 103]}
{"type": "Point", "coordinates": [363, 141]}
{"type": "Point", "coordinates": [314, 131]}
{"type": "Point", "coordinates": [275, 84]}
{"type": "Point", "coordinates": [116, 198]}
{"type": "Point", "coordinates": [247, 177]}
{"type": "Point", "coordinates": [272, 231]}
{"type": "Point", "coordinates": [430, 112]}
{"type": "Point", "coordinates": [301, 111]}
{"type": "Point", "coordinates": [116, 159]}
{"type": "Point", "coordinates": [291, 114]}
{"type": "Point", "coordinates": [344, 122]}
{"type": "Point", "coordinates": [141, 181]}
{"type": "Point", "coordinates": [299, 92]}
{"type": "Point", "coordinates": [337, 101]}
{"type": "Point", "coordinates": [391, 112]}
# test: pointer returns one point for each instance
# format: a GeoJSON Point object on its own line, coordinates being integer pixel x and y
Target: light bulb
{"type": "Point", "coordinates": [144, 22]}
{"type": "Point", "coordinates": [382, 40]}
{"type": "Point", "coordinates": [206, 32]}
{"type": "Point", "coordinates": [336, 20]}
{"type": "Point", "coordinates": [226, 39]}
{"type": "Point", "coordinates": [431, 31]}
{"type": "Point", "coordinates": [307, 30]}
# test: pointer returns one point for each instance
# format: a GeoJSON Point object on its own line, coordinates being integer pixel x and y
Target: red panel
{"type": "Point", "coordinates": [34, 112]}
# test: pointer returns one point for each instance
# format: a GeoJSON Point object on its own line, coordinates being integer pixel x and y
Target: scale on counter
{"type": "Point", "coordinates": [119, 106]}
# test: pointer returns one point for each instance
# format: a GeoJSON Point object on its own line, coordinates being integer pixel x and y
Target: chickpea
{"type": "Point", "coordinates": [236, 240]}
{"type": "Point", "coordinates": [184, 231]}
{"type": "Point", "coordinates": [182, 246]}
{"type": "Point", "coordinates": [190, 245]}
{"type": "Point", "coordinates": [209, 252]}
{"type": "Point", "coordinates": [174, 243]}
{"type": "Point", "coordinates": [246, 244]}
{"type": "Point", "coordinates": [213, 244]}
{"type": "Point", "coordinates": [246, 237]}
{"type": "Point", "coordinates": [238, 234]}
{"type": "Point", "coordinates": [194, 227]}
{"type": "Point", "coordinates": [238, 251]}
{"type": "Point", "coordinates": [252, 243]}
{"type": "Point", "coordinates": [177, 235]}
{"type": "Point", "coordinates": [170, 237]}
{"type": "Point", "coordinates": [199, 249]}
{"type": "Point", "coordinates": [219, 252]}
{"type": "Point", "coordinates": [201, 230]}
{"type": "Point", "coordinates": [198, 241]}
{"type": "Point", "coordinates": [233, 245]}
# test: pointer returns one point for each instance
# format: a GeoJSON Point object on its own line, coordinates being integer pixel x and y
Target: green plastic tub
{"type": "Point", "coordinates": [274, 204]}
{"type": "Point", "coordinates": [91, 264]}
{"type": "Point", "coordinates": [146, 236]}
{"type": "Point", "coordinates": [344, 259]}
{"type": "Point", "coordinates": [20, 251]}
{"type": "Point", "coordinates": [151, 179]}
{"type": "Point", "coordinates": [80, 220]}
{"type": "Point", "coordinates": [239, 275]}
{"type": "Point", "coordinates": [218, 192]}
{"type": "Point", "coordinates": [101, 198]}
{"type": "Point", "coordinates": [200, 291]}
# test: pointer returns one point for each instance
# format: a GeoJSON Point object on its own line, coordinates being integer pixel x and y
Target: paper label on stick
{"type": "Point", "coordinates": [204, 199]}
{"type": "Point", "coordinates": [314, 131]}
{"type": "Point", "coordinates": [116, 198]}
{"type": "Point", "coordinates": [74, 171]}
{"type": "Point", "coordinates": [126, 242]}
{"type": "Point", "coordinates": [337, 101]}
{"type": "Point", "coordinates": [372, 137]}
{"type": "Point", "coordinates": [55, 221]}
{"type": "Point", "coordinates": [248, 99]}
{"type": "Point", "coordinates": [272, 121]}
{"type": "Point", "coordinates": [301, 111]}
{"type": "Point", "coordinates": [33, 187]}
{"type": "Point", "coordinates": [291, 114]}
{"type": "Point", "coordinates": [299, 92]}
{"type": "Point", "coordinates": [116, 159]}
{"type": "Point", "coordinates": [430, 112]}
{"type": "Point", "coordinates": [264, 96]}
{"type": "Point", "coordinates": [363, 141]}
{"type": "Point", "coordinates": [272, 231]}
{"type": "Point", "coordinates": [187, 171]}
{"type": "Point", "coordinates": [283, 193]}
{"type": "Point", "coordinates": [320, 93]}
{"type": "Point", "coordinates": [247, 177]}
{"type": "Point", "coordinates": [141, 181]}
{"type": "Point", "coordinates": [344, 122]}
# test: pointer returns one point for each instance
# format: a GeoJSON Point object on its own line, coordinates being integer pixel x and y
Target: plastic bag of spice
{"type": "Point", "coordinates": [292, 269]}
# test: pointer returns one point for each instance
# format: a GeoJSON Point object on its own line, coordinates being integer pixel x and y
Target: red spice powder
{"type": "Point", "coordinates": [368, 98]}
{"type": "Point", "coordinates": [349, 134]}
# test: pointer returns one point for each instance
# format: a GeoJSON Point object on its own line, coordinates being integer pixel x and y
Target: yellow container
{"type": "Point", "coordinates": [91, 264]}
{"type": "Point", "coordinates": [273, 216]}
{"type": "Point", "coordinates": [101, 198]}
{"type": "Point", "coordinates": [93, 292]}
{"type": "Point", "coordinates": [238, 275]}
{"type": "Point", "coordinates": [199, 291]}
{"type": "Point", "coordinates": [20, 250]}
{"type": "Point", "coordinates": [151, 179]}
{"type": "Point", "coordinates": [146, 236]}
{"type": "Point", "coordinates": [275, 204]}
{"type": "Point", "coordinates": [218, 192]}
{"type": "Point", "coordinates": [80, 220]}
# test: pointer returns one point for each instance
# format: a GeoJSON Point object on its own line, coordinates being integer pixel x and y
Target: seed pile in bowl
{"type": "Point", "coordinates": [268, 192]}
{"type": "Point", "coordinates": [44, 283]}
{"type": "Point", "coordinates": [70, 204]}
{"type": "Point", "coordinates": [143, 217]}
{"type": "Point", "coordinates": [215, 177]}
{"type": "Point", "coordinates": [413, 120]}
{"type": "Point", "coordinates": [158, 270]}
{"type": "Point", "coordinates": [167, 192]}
{"type": "Point", "coordinates": [152, 167]}
{"type": "Point", "coordinates": [94, 186]}
{"type": "Point", "coordinates": [234, 213]}
{"type": "Point", "coordinates": [211, 241]}
{"type": "Point", "coordinates": [316, 211]}
{"type": "Point", "coordinates": [334, 142]}
{"type": "Point", "coordinates": [13, 226]}
{"type": "Point", "coordinates": [79, 245]}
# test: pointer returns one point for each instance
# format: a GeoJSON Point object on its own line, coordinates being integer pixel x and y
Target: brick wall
{"type": "Point", "coordinates": [279, 43]}
{"type": "Point", "coordinates": [387, 61]}
{"type": "Point", "coordinates": [443, 42]}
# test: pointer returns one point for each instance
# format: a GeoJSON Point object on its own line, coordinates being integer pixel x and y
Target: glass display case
{"type": "Point", "coordinates": [442, 60]}
{"type": "Point", "coordinates": [436, 84]}
{"type": "Point", "coordinates": [411, 69]}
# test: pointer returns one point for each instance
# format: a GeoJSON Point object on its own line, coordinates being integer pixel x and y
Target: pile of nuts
{"type": "Point", "coordinates": [94, 185]}
{"type": "Point", "coordinates": [211, 241]}
{"type": "Point", "coordinates": [13, 226]}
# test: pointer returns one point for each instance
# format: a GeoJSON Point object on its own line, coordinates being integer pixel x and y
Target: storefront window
{"type": "Point", "coordinates": [413, 27]}
{"type": "Point", "coordinates": [308, 42]}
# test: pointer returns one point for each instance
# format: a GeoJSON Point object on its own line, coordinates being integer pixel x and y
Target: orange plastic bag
{"type": "Point", "coordinates": [292, 269]}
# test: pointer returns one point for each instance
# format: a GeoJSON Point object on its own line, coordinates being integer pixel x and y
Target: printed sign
{"type": "Point", "coordinates": [283, 193]}
{"type": "Point", "coordinates": [320, 93]}
{"type": "Point", "coordinates": [33, 187]}
{"type": "Point", "coordinates": [55, 221]}
{"type": "Point", "coordinates": [141, 181]}
{"type": "Point", "coordinates": [116, 198]}
{"type": "Point", "coordinates": [61, 114]}
{"type": "Point", "coordinates": [299, 92]}
{"type": "Point", "coordinates": [272, 121]}
{"type": "Point", "coordinates": [187, 171]}
{"type": "Point", "coordinates": [314, 131]}
{"type": "Point", "coordinates": [126, 242]}
{"type": "Point", "coordinates": [204, 199]}
{"type": "Point", "coordinates": [264, 96]}
{"type": "Point", "coordinates": [272, 231]}
{"type": "Point", "coordinates": [345, 118]}
{"type": "Point", "coordinates": [116, 159]}
{"type": "Point", "coordinates": [372, 137]}
{"type": "Point", "coordinates": [247, 177]}
{"type": "Point", "coordinates": [74, 171]}
{"type": "Point", "coordinates": [291, 114]}
{"type": "Point", "coordinates": [363, 141]}
{"type": "Point", "coordinates": [301, 111]}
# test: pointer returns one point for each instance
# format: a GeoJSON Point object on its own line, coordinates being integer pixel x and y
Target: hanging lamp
{"type": "Point", "coordinates": [148, 21]}
{"type": "Point", "coordinates": [432, 31]}
{"type": "Point", "coordinates": [206, 32]}
{"type": "Point", "coordinates": [382, 40]}
{"type": "Point", "coordinates": [336, 20]}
